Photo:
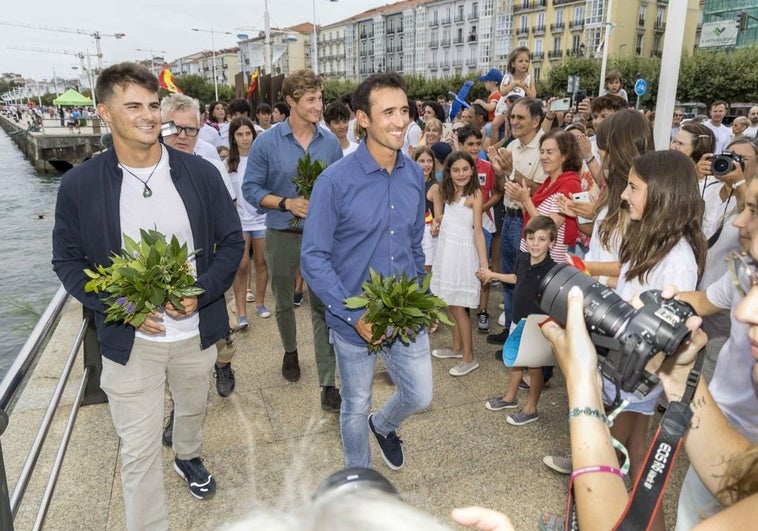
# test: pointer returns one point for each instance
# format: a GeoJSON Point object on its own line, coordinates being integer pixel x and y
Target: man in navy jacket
{"type": "Point", "coordinates": [142, 184]}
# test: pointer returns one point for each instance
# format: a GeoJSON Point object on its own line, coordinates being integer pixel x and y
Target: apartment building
{"type": "Point", "coordinates": [442, 38]}
{"type": "Point", "coordinates": [201, 64]}
{"type": "Point", "coordinates": [290, 50]}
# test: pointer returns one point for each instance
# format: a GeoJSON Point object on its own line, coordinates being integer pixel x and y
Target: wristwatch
{"type": "Point", "coordinates": [282, 207]}
{"type": "Point", "coordinates": [738, 184]}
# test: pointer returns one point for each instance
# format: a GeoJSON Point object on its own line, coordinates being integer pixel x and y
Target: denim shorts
{"type": "Point", "coordinates": [255, 233]}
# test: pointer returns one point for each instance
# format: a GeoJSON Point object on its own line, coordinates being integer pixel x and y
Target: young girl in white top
{"type": "Point", "coordinates": [241, 137]}
{"type": "Point", "coordinates": [460, 253]}
{"type": "Point", "coordinates": [663, 245]}
{"type": "Point", "coordinates": [425, 158]}
{"type": "Point", "coordinates": [518, 74]}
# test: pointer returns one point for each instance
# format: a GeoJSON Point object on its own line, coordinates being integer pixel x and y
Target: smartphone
{"type": "Point", "coordinates": [580, 95]}
{"type": "Point", "coordinates": [563, 104]}
{"type": "Point", "coordinates": [446, 129]}
{"type": "Point", "coordinates": [168, 128]}
{"type": "Point", "coordinates": [582, 197]}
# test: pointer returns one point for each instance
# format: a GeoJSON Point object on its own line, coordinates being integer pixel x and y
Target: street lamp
{"type": "Point", "coordinates": [152, 56]}
{"type": "Point", "coordinates": [213, 53]}
{"type": "Point", "coordinates": [314, 50]}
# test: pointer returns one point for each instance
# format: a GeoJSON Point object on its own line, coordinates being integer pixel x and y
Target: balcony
{"type": "Point", "coordinates": [434, 43]}
{"type": "Point", "coordinates": [390, 30]}
{"type": "Point", "coordinates": [459, 41]}
{"type": "Point", "coordinates": [446, 21]}
{"type": "Point", "coordinates": [538, 29]}
{"type": "Point", "coordinates": [445, 41]}
{"type": "Point", "coordinates": [433, 65]}
{"type": "Point", "coordinates": [641, 22]}
{"type": "Point", "coordinates": [659, 26]}
{"type": "Point", "coordinates": [557, 27]}
{"type": "Point", "coordinates": [522, 31]}
{"type": "Point", "coordinates": [656, 53]}
{"type": "Point", "coordinates": [474, 15]}
{"type": "Point", "coordinates": [459, 18]}
{"type": "Point", "coordinates": [434, 23]}
{"type": "Point", "coordinates": [457, 62]}
{"type": "Point", "coordinates": [638, 50]}
{"type": "Point", "coordinates": [561, 2]}
{"type": "Point", "coordinates": [445, 65]}
{"type": "Point", "coordinates": [472, 37]}
{"type": "Point", "coordinates": [576, 24]}
{"type": "Point", "coordinates": [538, 56]}
{"type": "Point", "coordinates": [471, 61]}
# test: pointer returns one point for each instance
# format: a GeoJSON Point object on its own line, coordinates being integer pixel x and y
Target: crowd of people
{"type": "Point", "coordinates": [496, 195]}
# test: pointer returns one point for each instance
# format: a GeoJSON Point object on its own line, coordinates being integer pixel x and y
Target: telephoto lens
{"type": "Point", "coordinates": [626, 338]}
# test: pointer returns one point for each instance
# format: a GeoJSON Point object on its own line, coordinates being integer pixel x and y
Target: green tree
{"type": "Point", "coordinates": [197, 87]}
{"type": "Point", "coordinates": [726, 75]}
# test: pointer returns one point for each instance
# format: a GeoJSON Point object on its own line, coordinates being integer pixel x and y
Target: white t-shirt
{"type": "Point", "coordinates": [412, 137]}
{"type": "Point", "coordinates": [206, 150]}
{"type": "Point", "coordinates": [163, 211]}
{"type": "Point", "coordinates": [732, 384]}
{"type": "Point", "coordinates": [223, 134]}
{"type": "Point", "coordinates": [209, 134]}
{"type": "Point", "coordinates": [723, 135]}
{"type": "Point", "coordinates": [751, 131]}
{"type": "Point", "coordinates": [716, 210]}
{"type": "Point", "coordinates": [250, 218]}
{"type": "Point", "coordinates": [224, 175]}
{"type": "Point", "coordinates": [352, 146]}
{"type": "Point", "coordinates": [678, 268]}
{"type": "Point", "coordinates": [598, 252]}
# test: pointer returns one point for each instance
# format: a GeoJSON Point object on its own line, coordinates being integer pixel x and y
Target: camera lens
{"type": "Point", "coordinates": [604, 311]}
{"type": "Point", "coordinates": [722, 165]}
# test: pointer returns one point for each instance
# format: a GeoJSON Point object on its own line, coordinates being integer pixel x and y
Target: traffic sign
{"type": "Point", "coordinates": [640, 87]}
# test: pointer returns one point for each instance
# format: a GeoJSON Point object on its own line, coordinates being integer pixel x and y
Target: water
{"type": "Point", "coordinates": [27, 281]}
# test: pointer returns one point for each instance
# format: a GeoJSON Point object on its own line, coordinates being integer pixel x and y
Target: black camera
{"type": "Point", "coordinates": [626, 338]}
{"type": "Point", "coordinates": [726, 163]}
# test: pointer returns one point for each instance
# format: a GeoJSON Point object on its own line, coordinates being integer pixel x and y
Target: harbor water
{"type": "Point", "coordinates": [27, 281]}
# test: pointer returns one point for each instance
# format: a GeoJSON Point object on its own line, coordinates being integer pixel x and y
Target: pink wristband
{"type": "Point", "coordinates": [599, 468]}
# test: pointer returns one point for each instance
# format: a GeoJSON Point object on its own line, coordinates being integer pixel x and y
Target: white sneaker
{"type": "Point", "coordinates": [250, 297]}
{"type": "Point", "coordinates": [501, 319]}
{"type": "Point", "coordinates": [463, 368]}
{"type": "Point", "coordinates": [445, 353]}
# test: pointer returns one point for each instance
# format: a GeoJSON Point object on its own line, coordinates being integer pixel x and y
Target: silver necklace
{"type": "Point", "coordinates": [147, 191]}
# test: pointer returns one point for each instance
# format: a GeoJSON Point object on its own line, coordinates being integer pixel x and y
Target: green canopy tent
{"type": "Point", "coordinates": [72, 97]}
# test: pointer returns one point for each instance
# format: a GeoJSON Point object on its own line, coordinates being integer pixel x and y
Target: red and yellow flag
{"type": "Point", "coordinates": [253, 83]}
{"type": "Point", "coordinates": [166, 81]}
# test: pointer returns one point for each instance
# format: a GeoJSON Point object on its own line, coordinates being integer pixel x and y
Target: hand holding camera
{"type": "Point", "coordinates": [729, 168]}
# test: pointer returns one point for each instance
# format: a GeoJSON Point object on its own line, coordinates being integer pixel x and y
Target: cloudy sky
{"type": "Point", "coordinates": [157, 25]}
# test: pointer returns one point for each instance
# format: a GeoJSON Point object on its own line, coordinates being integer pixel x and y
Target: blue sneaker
{"type": "Point", "coordinates": [391, 447]}
{"type": "Point", "coordinates": [262, 311]}
{"type": "Point", "coordinates": [242, 322]}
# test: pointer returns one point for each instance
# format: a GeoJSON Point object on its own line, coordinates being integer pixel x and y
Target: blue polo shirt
{"type": "Point", "coordinates": [361, 216]}
{"type": "Point", "coordinates": [272, 164]}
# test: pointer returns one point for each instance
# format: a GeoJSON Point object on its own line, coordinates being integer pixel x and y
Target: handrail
{"type": "Point", "coordinates": [13, 382]}
{"type": "Point", "coordinates": [28, 354]}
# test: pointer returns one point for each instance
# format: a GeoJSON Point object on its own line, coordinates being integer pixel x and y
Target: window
{"type": "Point", "coordinates": [575, 42]}
{"type": "Point", "coordinates": [559, 16]}
{"type": "Point", "coordinates": [557, 43]}
{"type": "Point", "coordinates": [537, 72]}
{"type": "Point", "coordinates": [475, 10]}
{"type": "Point", "coordinates": [657, 43]}
{"type": "Point", "coordinates": [579, 14]}
{"type": "Point", "coordinates": [660, 17]}
{"type": "Point", "coordinates": [538, 45]}
{"type": "Point", "coordinates": [643, 12]}
{"type": "Point", "coordinates": [640, 39]}
{"type": "Point", "coordinates": [524, 23]}
{"type": "Point", "coordinates": [541, 19]}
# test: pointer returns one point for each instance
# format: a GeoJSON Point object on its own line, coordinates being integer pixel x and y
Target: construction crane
{"type": "Point", "coordinates": [94, 34]}
{"type": "Point", "coordinates": [80, 55]}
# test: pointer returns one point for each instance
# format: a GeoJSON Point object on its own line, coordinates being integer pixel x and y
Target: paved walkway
{"type": "Point", "coordinates": [270, 444]}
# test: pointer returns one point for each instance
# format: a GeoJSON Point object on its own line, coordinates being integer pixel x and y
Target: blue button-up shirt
{"type": "Point", "coordinates": [360, 216]}
{"type": "Point", "coordinates": [272, 164]}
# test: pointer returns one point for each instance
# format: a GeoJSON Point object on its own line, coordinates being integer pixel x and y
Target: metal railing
{"type": "Point", "coordinates": [89, 392]}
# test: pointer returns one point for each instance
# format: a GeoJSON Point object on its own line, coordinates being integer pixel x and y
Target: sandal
{"type": "Point", "coordinates": [554, 522]}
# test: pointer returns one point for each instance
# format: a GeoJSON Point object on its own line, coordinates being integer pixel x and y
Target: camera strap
{"type": "Point", "coordinates": [648, 491]}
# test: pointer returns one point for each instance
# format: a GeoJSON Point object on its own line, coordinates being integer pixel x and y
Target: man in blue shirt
{"type": "Point", "coordinates": [267, 185]}
{"type": "Point", "coordinates": [367, 211]}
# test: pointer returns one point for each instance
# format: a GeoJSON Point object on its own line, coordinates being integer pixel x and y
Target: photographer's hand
{"type": "Point", "coordinates": [482, 519]}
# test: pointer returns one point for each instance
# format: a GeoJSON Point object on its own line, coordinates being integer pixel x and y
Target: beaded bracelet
{"type": "Point", "coordinates": [580, 411]}
{"type": "Point", "coordinates": [598, 468]}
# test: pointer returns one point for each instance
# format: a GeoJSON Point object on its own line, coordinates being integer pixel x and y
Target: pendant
{"type": "Point", "coordinates": [147, 192]}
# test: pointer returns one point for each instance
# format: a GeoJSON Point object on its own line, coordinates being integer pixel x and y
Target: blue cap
{"type": "Point", "coordinates": [493, 75]}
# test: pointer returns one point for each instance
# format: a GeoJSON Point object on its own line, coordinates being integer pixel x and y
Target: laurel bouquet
{"type": "Point", "coordinates": [143, 277]}
{"type": "Point", "coordinates": [398, 308]}
{"type": "Point", "coordinates": [307, 173]}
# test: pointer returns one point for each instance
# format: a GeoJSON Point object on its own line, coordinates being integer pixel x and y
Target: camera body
{"type": "Point", "coordinates": [626, 338]}
{"type": "Point", "coordinates": [168, 128]}
{"type": "Point", "coordinates": [726, 163]}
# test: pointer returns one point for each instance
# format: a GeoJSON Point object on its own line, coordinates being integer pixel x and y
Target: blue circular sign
{"type": "Point", "coordinates": [640, 87]}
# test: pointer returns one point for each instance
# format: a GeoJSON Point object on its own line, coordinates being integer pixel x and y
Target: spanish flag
{"type": "Point", "coordinates": [166, 81]}
{"type": "Point", "coordinates": [253, 83]}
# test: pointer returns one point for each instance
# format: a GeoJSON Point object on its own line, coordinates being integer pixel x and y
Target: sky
{"type": "Point", "coordinates": [157, 25]}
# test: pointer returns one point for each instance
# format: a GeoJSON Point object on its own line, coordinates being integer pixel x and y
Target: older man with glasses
{"type": "Point", "coordinates": [676, 123]}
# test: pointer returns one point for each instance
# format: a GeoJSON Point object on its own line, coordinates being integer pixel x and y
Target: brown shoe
{"type": "Point", "coordinates": [290, 367]}
{"type": "Point", "coordinates": [330, 399]}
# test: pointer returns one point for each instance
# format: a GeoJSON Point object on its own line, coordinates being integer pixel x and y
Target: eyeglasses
{"type": "Point", "coordinates": [189, 131]}
{"type": "Point", "coordinates": [743, 270]}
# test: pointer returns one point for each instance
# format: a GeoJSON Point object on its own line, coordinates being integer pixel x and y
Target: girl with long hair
{"type": "Point", "coordinates": [460, 254]}
{"type": "Point", "coordinates": [241, 137]}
